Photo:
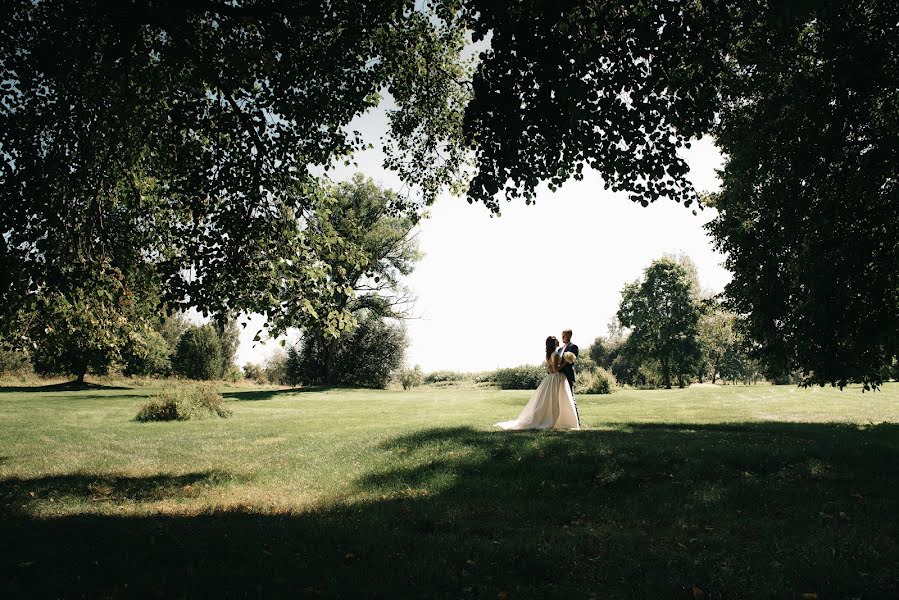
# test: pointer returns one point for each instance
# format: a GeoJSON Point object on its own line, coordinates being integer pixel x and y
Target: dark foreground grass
{"type": "Point", "coordinates": [642, 509]}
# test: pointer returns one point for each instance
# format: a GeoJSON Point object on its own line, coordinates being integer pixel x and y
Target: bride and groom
{"type": "Point", "coordinates": [552, 405]}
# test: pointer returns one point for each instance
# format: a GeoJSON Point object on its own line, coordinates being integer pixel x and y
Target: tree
{"type": "Point", "coordinates": [199, 354]}
{"type": "Point", "coordinates": [663, 317]}
{"type": "Point", "coordinates": [364, 357]}
{"type": "Point", "coordinates": [721, 345]}
{"type": "Point", "coordinates": [181, 142]}
{"type": "Point", "coordinates": [364, 216]}
{"type": "Point", "coordinates": [147, 353]}
{"type": "Point", "coordinates": [84, 330]}
{"type": "Point", "coordinates": [808, 212]}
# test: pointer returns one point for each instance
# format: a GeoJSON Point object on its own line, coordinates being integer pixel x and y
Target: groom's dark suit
{"type": "Point", "coordinates": [568, 371]}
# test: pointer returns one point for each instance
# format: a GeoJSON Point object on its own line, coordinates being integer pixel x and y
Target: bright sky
{"type": "Point", "coordinates": [489, 290]}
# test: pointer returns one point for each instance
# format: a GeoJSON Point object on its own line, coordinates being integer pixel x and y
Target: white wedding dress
{"type": "Point", "coordinates": [551, 406]}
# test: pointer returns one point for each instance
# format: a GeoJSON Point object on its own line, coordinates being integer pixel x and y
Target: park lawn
{"type": "Point", "coordinates": [712, 492]}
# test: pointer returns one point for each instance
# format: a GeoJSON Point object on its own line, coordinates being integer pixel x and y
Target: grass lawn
{"type": "Point", "coordinates": [711, 492]}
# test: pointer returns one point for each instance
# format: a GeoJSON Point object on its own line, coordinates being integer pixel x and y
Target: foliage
{"type": "Point", "coordinates": [616, 87]}
{"type": "Point", "coordinates": [82, 330]}
{"type": "Point", "coordinates": [182, 144]}
{"type": "Point", "coordinates": [410, 378]}
{"type": "Point", "coordinates": [442, 376]}
{"type": "Point", "coordinates": [663, 315]}
{"type": "Point", "coordinates": [147, 354]}
{"type": "Point", "coordinates": [722, 346]}
{"type": "Point", "coordinates": [596, 381]}
{"type": "Point", "coordinates": [525, 377]}
{"type": "Point", "coordinates": [183, 403]}
{"type": "Point", "coordinates": [14, 362]}
{"type": "Point", "coordinates": [199, 354]}
{"type": "Point", "coordinates": [254, 372]}
{"type": "Point", "coordinates": [228, 334]}
{"type": "Point", "coordinates": [363, 357]}
{"type": "Point", "coordinates": [276, 369]}
{"type": "Point", "coordinates": [366, 217]}
{"type": "Point", "coordinates": [808, 211]}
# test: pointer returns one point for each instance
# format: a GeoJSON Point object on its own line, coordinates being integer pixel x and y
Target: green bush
{"type": "Point", "coordinates": [275, 370]}
{"type": "Point", "coordinates": [14, 363]}
{"type": "Point", "coordinates": [184, 403]}
{"type": "Point", "coordinates": [410, 378]}
{"type": "Point", "coordinates": [525, 377]}
{"type": "Point", "coordinates": [254, 372]}
{"type": "Point", "coordinates": [597, 381]}
{"type": "Point", "coordinates": [199, 354]}
{"type": "Point", "coordinates": [484, 377]}
{"type": "Point", "coordinates": [443, 376]}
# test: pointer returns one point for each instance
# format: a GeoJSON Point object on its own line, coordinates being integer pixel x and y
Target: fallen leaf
{"type": "Point", "coordinates": [502, 596]}
{"type": "Point", "coordinates": [698, 593]}
{"type": "Point", "coordinates": [810, 596]}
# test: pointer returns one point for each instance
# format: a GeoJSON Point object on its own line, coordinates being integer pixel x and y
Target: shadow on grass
{"type": "Point", "coordinates": [252, 395]}
{"type": "Point", "coordinates": [19, 495]}
{"type": "Point", "coordinates": [643, 511]}
{"type": "Point", "coordinates": [68, 386]}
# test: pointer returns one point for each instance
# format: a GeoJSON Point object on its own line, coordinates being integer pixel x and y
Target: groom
{"type": "Point", "coordinates": [568, 369]}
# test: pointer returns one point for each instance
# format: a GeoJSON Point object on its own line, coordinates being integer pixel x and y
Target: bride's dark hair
{"type": "Point", "coordinates": [551, 344]}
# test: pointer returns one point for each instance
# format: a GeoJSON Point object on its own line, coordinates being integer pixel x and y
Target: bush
{"type": "Point", "coordinates": [597, 381]}
{"type": "Point", "coordinates": [254, 372]}
{"type": "Point", "coordinates": [410, 378]}
{"type": "Point", "coordinates": [443, 376]}
{"type": "Point", "coordinates": [184, 403]}
{"type": "Point", "coordinates": [275, 370]}
{"type": "Point", "coordinates": [199, 354]}
{"type": "Point", "coordinates": [14, 363]}
{"type": "Point", "coordinates": [525, 377]}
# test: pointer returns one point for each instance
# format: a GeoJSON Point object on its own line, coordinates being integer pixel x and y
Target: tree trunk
{"type": "Point", "coordinates": [80, 379]}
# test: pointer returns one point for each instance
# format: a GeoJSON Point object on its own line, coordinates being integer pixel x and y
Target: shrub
{"type": "Point", "coordinates": [14, 363]}
{"type": "Point", "coordinates": [525, 377]}
{"type": "Point", "coordinates": [275, 369]}
{"type": "Point", "coordinates": [184, 403]}
{"type": "Point", "coordinates": [254, 372]}
{"type": "Point", "coordinates": [410, 378]}
{"type": "Point", "coordinates": [484, 377]}
{"type": "Point", "coordinates": [443, 376]}
{"type": "Point", "coordinates": [597, 381]}
{"type": "Point", "coordinates": [199, 354]}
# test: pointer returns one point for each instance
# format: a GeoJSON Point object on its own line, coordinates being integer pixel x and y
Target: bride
{"type": "Point", "coordinates": [552, 404]}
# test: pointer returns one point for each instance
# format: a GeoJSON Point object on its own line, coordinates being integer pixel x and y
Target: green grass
{"type": "Point", "coordinates": [737, 491]}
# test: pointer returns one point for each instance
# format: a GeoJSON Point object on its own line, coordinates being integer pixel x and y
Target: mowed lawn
{"type": "Point", "coordinates": [706, 492]}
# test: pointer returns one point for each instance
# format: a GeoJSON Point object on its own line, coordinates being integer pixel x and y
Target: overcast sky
{"type": "Point", "coordinates": [489, 290]}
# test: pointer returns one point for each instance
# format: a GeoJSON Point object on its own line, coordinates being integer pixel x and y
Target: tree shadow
{"type": "Point", "coordinates": [20, 495]}
{"type": "Point", "coordinates": [638, 511]}
{"type": "Point", "coordinates": [68, 386]}
{"type": "Point", "coordinates": [254, 395]}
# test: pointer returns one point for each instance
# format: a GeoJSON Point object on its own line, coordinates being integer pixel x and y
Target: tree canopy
{"type": "Point", "coordinates": [183, 144]}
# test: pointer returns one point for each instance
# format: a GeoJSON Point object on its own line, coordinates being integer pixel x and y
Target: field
{"type": "Point", "coordinates": [707, 492]}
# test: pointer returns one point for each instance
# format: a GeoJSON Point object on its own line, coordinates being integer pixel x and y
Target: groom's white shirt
{"type": "Point", "coordinates": [562, 349]}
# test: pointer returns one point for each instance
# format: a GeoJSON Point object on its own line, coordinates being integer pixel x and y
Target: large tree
{"type": "Point", "coordinates": [663, 317]}
{"type": "Point", "coordinates": [186, 139]}
{"type": "Point", "coordinates": [808, 213]}
{"type": "Point", "coordinates": [385, 246]}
